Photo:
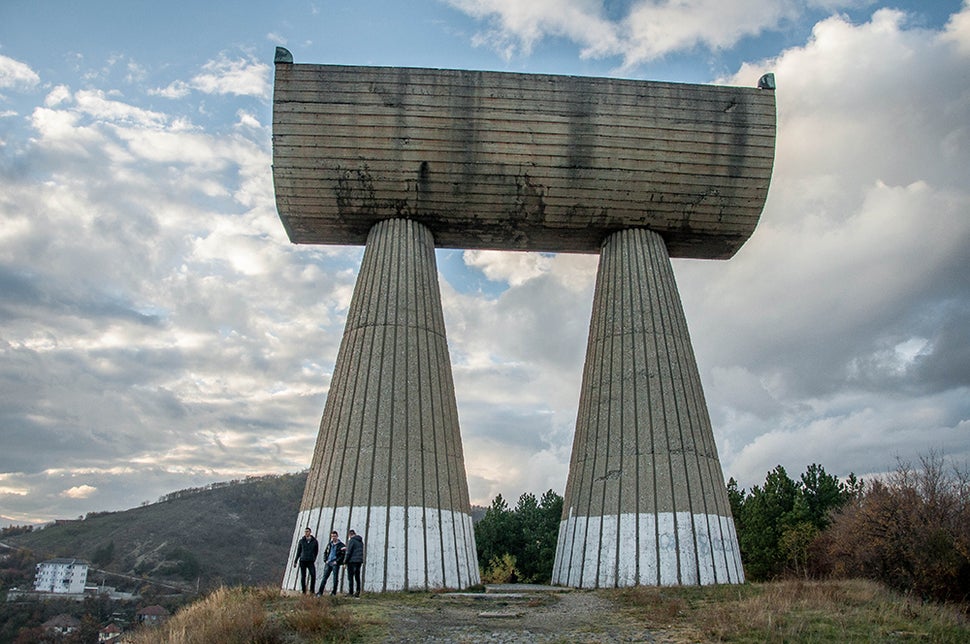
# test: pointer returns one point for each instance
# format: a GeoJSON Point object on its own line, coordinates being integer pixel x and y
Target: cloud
{"type": "Point", "coordinates": [637, 32]}
{"type": "Point", "coordinates": [516, 27]}
{"type": "Point", "coordinates": [95, 104]}
{"type": "Point", "coordinates": [240, 77]}
{"type": "Point", "coordinates": [16, 75]}
{"type": "Point", "coordinates": [653, 29]}
{"type": "Point", "coordinates": [153, 312]}
{"type": "Point", "coordinates": [159, 331]}
{"type": "Point", "coordinates": [175, 90]}
{"type": "Point", "coordinates": [6, 489]}
{"type": "Point", "coordinates": [80, 491]}
{"type": "Point", "coordinates": [850, 295]}
{"type": "Point", "coordinates": [840, 327]}
{"type": "Point", "coordinates": [224, 75]}
{"type": "Point", "coordinates": [958, 29]}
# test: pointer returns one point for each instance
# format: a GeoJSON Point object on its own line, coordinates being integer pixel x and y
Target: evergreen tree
{"type": "Point", "coordinates": [763, 516]}
{"type": "Point", "coordinates": [526, 535]}
{"type": "Point", "coordinates": [778, 523]}
{"type": "Point", "coordinates": [822, 493]}
{"type": "Point", "coordinates": [493, 532]}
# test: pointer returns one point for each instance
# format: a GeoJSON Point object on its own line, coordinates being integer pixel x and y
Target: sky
{"type": "Point", "coordinates": [158, 331]}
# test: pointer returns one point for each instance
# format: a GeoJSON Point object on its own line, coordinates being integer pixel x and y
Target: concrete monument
{"type": "Point", "coordinates": [405, 160]}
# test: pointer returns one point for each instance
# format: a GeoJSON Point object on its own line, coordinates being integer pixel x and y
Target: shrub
{"type": "Point", "coordinates": [911, 531]}
{"type": "Point", "coordinates": [500, 570]}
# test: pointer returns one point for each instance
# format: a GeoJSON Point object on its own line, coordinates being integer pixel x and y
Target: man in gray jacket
{"type": "Point", "coordinates": [354, 559]}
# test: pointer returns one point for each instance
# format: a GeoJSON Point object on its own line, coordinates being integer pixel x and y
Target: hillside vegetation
{"type": "Point", "coordinates": [224, 534]}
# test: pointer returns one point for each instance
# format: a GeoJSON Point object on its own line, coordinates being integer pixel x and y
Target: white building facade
{"type": "Point", "coordinates": [61, 576]}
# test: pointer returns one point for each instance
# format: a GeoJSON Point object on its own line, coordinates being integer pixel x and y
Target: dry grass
{"type": "Point", "coordinates": [786, 611]}
{"type": "Point", "coordinates": [796, 611]}
{"type": "Point", "coordinates": [253, 616]}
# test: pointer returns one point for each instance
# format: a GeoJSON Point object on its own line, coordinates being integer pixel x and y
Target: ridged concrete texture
{"type": "Point", "coordinates": [509, 161]}
{"type": "Point", "coordinates": [645, 501]}
{"type": "Point", "coordinates": [388, 461]}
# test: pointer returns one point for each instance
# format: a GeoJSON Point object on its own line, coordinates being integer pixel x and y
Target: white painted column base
{"type": "Point", "coordinates": [426, 548]}
{"type": "Point", "coordinates": [666, 549]}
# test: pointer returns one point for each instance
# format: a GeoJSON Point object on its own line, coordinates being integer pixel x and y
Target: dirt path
{"type": "Point", "coordinates": [517, 614]}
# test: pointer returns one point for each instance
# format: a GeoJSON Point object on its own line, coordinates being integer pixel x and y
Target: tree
{"type": "Point", "coordinates": [763, 516]}
{"type": "Point", "coordinates": [735, 498]}
{"type": "Point", "coordinates": [550, 516]}
{"type": "Point", "coordinates": [822, 493]}
{"type": "Point", "coordinates": [492, 533]}
{"type": "Point", "coordinates": [527, 535]}
{"type": "Point", "coordinates": [778, 524]}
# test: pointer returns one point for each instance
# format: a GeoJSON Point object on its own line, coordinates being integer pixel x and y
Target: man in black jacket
{"type": "Point", "coordinates": [306, 555]}
{"type": "Point", "coordinates": [354, 558]}
{"type": "Point", "coordinates": [333, 557]}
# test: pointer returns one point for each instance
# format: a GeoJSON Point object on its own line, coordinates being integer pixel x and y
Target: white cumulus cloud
{"type": "Point", "coordinates": [240, 76]}
{"type": "Point", "coordinates": [16, 75]}
{"type": "Point", "coordinates": [80, 491]}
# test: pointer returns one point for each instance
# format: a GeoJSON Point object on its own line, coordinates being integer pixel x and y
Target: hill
{"type": "Point", "coordinates": [226, 533]}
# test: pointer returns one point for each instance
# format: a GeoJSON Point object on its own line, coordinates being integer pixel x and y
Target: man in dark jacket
{"type": "Point", "coordinates": [354, 558]}
{"type": "Point", "coordinates": [333, 557]}
{"type": "Point", "coordinates": [306, 555]}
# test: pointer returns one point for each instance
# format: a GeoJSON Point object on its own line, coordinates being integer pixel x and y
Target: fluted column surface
{"type": "Point", "coordinates": [645, 501]}
{"type": "Point", "coordinates": [388, 461]}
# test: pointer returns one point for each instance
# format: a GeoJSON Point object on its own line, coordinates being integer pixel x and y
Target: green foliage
{"type": "Point", "coordinates": [777, 523]}
{"type": "Point", "coordinates": [910, 530]}
{"type": "Point", "coordinates": [794, 546]}
{"type": "Point", "coordinates": [500, 570]}
{"type": "Point", "coordinates": [821, 493]}
{"type": "Point", "coordinates": [493, 534]}
{"type": "Point", "coordinates": [735, 498]}
{"type": "Point", "coordinates": [526, 534]}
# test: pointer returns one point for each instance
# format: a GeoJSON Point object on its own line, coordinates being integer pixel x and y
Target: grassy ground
{"type": "Point", "coordinates": [796, 611]}
{"type": "Point", "coordinates": [791, 611]}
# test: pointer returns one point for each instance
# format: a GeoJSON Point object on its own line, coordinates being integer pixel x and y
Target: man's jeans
{"type": "Point", "coordinates": [327, 569]}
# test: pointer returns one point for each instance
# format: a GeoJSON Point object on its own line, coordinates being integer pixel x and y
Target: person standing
{"type": "Point", "coordinates": [306, 554]}
{"type": "Point", "coordinates": [333, 557]}
{"type": "Point", "coordinates": [354, 559]}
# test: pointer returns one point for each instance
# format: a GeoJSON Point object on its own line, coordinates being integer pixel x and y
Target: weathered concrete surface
{"type": "Point", "coordinates": [410, 159]}
{"type": "Point", "coordinates": [388, 461]}
{"type": "Point", "coordinates": [518, 161]}
{"type": "Point", "coordinates": [645, 501]}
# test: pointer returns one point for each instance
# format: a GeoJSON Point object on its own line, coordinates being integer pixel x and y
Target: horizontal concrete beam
{"type": "Point", "coordinates": [518, 161]}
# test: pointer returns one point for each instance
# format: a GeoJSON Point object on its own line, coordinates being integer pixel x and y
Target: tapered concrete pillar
{"type": "Point", "coordinates": [645, 500]}
{"type": "Point", "coordinates": [388, 461]}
